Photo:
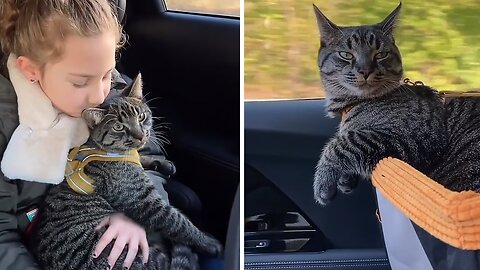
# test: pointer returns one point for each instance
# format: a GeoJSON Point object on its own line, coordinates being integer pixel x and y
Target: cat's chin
{"type": "Point", "coordinates": [368, 91]}
{"type": "Point", "coordinates": [363, 91]}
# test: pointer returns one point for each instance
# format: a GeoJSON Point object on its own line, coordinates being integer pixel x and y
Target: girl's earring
{"type": "Point", "coordinates": [33, 81]}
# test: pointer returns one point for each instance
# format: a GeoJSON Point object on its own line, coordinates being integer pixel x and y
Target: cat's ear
{"type": "Point", "coordinates": [328, 30]}
{"type": "Point", "coordinates": [390, 22]}
{"type": "Point", "coordinates": [93, 116]}
{"type": "Point", "coordinates": [135, 90]}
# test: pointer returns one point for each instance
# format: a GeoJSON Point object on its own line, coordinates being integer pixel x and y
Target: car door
{"type": "Point", "coordinates": [190, 64]}
{"type": "Point", "coordinates": [284, 227]}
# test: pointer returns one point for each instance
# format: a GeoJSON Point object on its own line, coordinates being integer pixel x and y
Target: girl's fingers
{"type": "Point", "coordinates": [103, 223]}
{"type": "Point", "coordinates": [116, 251]}
{"type": "Point", "coordinates": [105, 239]}
{"type": "Point", "coordinates": [145, 249]}
{"type": "Point", "coordinates": [131, 254]}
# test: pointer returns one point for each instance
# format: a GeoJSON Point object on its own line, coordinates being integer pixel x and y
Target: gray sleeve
{"type": "Point", "coordinates": [8, 113]}
{"type": "Point", "coordinates": [13, 254]}
{"type": "Point", "coordinates": [157, 167]}
{"type": "Point", "coordinates": [158, 182]}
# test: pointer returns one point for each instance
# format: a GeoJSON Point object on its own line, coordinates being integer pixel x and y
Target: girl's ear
{"type": "Point", "coordinates": [29, 69]}
{"type": "Point", "coordinates": [93, 116]}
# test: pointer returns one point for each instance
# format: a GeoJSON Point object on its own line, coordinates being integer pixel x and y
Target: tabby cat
{"type": "Point", "coordinates": [65, 235]}
{"type": "Point", "coordinates": [460, 168]}
{"type": "Point", "coordinates": [361, 70]}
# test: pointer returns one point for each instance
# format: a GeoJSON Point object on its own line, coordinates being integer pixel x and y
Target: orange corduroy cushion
{"type": "Point", "coordinates": [453, 217]}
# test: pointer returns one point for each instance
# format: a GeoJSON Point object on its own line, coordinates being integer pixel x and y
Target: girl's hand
{"type": "Point", "coordinates": [125, 232]}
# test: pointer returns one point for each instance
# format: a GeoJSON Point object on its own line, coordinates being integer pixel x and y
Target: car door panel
{"type": "Point", "coordinates": [283, 140]}
{"type": "Point", "coordinates": [365, 259]}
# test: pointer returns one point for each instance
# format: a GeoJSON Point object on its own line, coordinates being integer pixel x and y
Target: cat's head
{"type": "Point", "coordinates": [123, 122]}
{"type": "Point", "coordinates": [358, 61]}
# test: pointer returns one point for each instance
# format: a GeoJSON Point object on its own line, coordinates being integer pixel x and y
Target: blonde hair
{"type": "Point", "coordinates": [37, 28]}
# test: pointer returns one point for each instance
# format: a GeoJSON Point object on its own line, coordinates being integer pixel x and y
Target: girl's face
{"type": "Point", "coordinates": [82, 78]}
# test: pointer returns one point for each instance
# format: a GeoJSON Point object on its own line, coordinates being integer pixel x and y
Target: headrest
{"type": "Point", "coordinates": [121, 7]}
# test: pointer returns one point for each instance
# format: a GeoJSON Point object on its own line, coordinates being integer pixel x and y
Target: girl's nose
{"type": "Point", "coordinates": [97, 96]}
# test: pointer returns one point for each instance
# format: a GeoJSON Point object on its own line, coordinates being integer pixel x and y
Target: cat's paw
{"type": "Point", "coordinates": [211, 246]}
{"type": "Point", "coordinates": [325, 184]}
{"type": "Point", "coordinates": [347, 183]}
{"type": "Point", "coordinates": [159, 164]}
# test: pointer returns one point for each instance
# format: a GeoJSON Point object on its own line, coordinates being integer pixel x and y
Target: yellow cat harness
{"type": "Point", "coordinates": [79, 157]}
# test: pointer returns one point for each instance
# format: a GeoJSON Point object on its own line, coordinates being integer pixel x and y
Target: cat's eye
{"type": "Point", "coordinates": [118, 127]}
{"type": "Point", "coordinates": [142, 116]}
{"type": "Point", "coordinates": [346, 55]}
{"type": "Point", "coordinates": [381, 55]}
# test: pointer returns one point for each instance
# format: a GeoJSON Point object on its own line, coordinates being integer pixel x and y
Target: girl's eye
{"type": "Point", "coordinates": [118, 127]}
{"type": "Point", "coordinates": [346, 55]}
{"type": "Point", "coordinates": [142, 117]}
{"type": "Point", "coordinates": [381, 55]}
{"type": "Point", "coordinates": [79, 85]}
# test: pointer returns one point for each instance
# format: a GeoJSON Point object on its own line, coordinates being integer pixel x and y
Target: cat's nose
{"type": "Point", "coordinates": [365, 72]}
{"type": "Point", "coordinates": [137, 135]}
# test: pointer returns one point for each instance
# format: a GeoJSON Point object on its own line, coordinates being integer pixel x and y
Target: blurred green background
{"type": "Point", "coordinates": [222, 7]}
{"type": "Point", "coordinates": [439, 41]}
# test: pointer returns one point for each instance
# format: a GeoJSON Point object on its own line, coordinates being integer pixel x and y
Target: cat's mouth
{"type": "Point", "coordinates": [366, 89]}
{"type": "Point", "coordinates": [365, 86]}
{"type": "Point", "coordinates": [370, 81]}
{"type": "Point", "coordinates": [136, 143]}
{"type": "Point", "coordinates": [370, 90]}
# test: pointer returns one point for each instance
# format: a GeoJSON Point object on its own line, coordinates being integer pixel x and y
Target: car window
{"type": "Point", "coordinates": [438, 41]}
{"type": "Point", "coordinates": [218, 7]}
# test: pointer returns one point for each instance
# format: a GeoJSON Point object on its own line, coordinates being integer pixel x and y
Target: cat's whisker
{"type": "Point", "coordinates": [158, 143]}
{"type": "Point", "coordinates": [146, 95]}
{"type": "Point", "coordinates": [337, 86]}
{"type": "Point", "coordinates": [164, 124]}
{"type": "Point", "coordinates": [152, 99]}
{"type": "Point", "coordinates": [159, 127]}
{"type": "Point", "coordinates": [162, 138]}
{"type": "Point", "coordinates": [159, 130]}
{"type": "Point", "coordinates": [160, 133]}
{"type": "Point", "coordinates": [159, 136]}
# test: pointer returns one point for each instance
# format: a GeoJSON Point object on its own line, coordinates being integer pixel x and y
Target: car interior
{"type": "Point", "coordinates": [284, 227]}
